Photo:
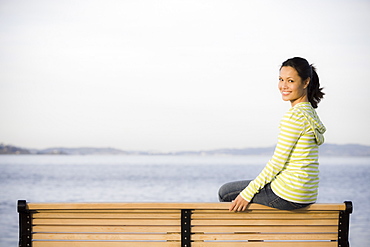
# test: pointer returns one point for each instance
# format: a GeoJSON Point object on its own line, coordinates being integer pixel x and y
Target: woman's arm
{"type": "Point", "coordinates": [292, 127]}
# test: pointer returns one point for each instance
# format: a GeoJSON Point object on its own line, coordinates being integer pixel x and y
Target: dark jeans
{"type": "Point", "coordinates": [228, 192]}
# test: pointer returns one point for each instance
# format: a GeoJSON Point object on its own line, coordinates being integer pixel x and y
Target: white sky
{"type": "Point", "coordinates": [175, 75]}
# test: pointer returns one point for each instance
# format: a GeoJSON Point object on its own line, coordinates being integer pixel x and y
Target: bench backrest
{"type": "Point", "coordinates": [180, 224]}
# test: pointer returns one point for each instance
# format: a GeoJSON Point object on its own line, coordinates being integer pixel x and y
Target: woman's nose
{"type": "Point", "coordinates": [283, 84]}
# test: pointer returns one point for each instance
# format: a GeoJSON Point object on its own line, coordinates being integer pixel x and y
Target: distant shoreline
{"type": "Point", "coordinates": [325, 150]}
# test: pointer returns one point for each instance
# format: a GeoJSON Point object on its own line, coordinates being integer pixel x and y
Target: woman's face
{"type": "Point", "coordinates": [291, 86]}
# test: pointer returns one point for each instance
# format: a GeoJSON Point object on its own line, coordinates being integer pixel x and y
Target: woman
{"type": "Point", "coordinates": [290, 179]}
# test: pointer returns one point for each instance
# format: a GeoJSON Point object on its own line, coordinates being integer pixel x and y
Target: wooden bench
{"type": "Point", "coordinates": [180, 224]}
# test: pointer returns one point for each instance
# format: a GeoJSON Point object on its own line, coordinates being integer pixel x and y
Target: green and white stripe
{"type": "Point", "coordinates": [293, 170]}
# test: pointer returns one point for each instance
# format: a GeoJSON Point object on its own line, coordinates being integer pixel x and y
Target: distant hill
{"type": "Point", "coordinates": [325, 150]}
{"type": "Point", "coordinates": [344, 150]}
{"type": "Point", "coordinates": [8, 149]}
{"type": "Point", "coordinates": [229, 151]}
{"type": "Point", "coordinates": [79, 151]}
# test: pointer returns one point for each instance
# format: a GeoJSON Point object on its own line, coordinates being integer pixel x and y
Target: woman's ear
{"type": "Point", "coordinates": [306, 82]}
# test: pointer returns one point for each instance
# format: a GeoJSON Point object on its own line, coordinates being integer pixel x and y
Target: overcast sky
{"type": "Point", "coordinates": [175, 75]}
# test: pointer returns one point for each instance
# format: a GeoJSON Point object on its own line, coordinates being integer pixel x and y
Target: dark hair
{"type": "Point", "coordinates": [305, 70]}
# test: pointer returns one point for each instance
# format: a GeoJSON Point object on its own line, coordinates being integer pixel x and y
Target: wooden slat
{"type": "Point", "coordinates": [259, 244]}
{"type": "Point", "coordinates": [294, 222]}
{"type": "Point", "coordinates": [108, 211]}
{"type": "Point", "coordinates": [265, 211]}
{"type": "Point", "coordinates": [121, 229]}
{"type": "Point", "coordinates": [177, 244]}
{"type": "Point", "coordinates": [39, 206]}
{"type": "Point", "coordinates": [196, 229]}
{"type": "Point", "coordinates": [264, 216]}
{"type": "Point", "coordinates": [97, 215]}
{"type": "Point", "coordinates": [195, 215]}
{"type": "Point", "coordinates": [103, 244]}
{"type": "Point", "coordinates": [106, 222]}
{"type": "Point", "coordinates": [246, 236]}
{"type": "Point", "coordinates": [225, 205]}
{"type": "Point", "coordinates": [277, 229]}
{"type": "Point", "coordinates": [105, 236]}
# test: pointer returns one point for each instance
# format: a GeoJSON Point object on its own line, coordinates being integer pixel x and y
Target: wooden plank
{"type": "Point", "coordinates": [39, 206]}
{"type": "Point", "coordinates": [265, 211]}
{"type": "Point", "coordinates": [107, 229]}
{"type": "Point", "coordinates": [106, 222]}
{"type": "Point", "coordinates": [105, 236]}
{"type": "Point", "coordinates": [334, 215]}
{"type": "Point", "coordinates": [108, 211]}
{"type": "Point", "coordinates": [195, 229]}
{"type": "Point", "coordinates": [104, 244]}
{"type": "Point", "coordinates": [95, 215]}
{"type": "Point", "coordinates": [278, 222]}
{"type": "Point", "coordinates": [224, 205]}
{"type": "Point", "coordinates": [194, 216]}
{"type": "Point", "coordinates": [279, 237]}
{"type": "Point", "coordinates": [277, 229]}
{"type": "Point", "coordinates": [260, 244]}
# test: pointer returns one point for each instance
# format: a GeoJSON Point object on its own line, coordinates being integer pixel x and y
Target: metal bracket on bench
{"type": "Point", "coordinates": [25, 225]}
{"type": "Point", "coordinates": [343, 230]}
{"type": "Point", "coordinates": [185, 227]}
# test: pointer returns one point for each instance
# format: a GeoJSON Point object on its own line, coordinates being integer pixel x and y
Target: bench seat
{"type": "Point", "coordinates": [180, 224]}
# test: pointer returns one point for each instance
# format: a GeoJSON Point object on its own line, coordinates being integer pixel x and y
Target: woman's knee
{"type": "Point", "coordinates": [222, 192]}
{"type": "Point", "coordinates": [231, 190]}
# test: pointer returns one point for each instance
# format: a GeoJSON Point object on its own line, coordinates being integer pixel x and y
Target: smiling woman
{"type": "Point", "coordinates": [290, 179]}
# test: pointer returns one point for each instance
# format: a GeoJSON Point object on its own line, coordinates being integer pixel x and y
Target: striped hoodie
{"type": "Point", "coordinates": [293, 169]}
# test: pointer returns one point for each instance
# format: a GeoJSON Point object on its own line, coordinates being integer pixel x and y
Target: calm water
{"type": "Point", "coordinates": [162, 179]}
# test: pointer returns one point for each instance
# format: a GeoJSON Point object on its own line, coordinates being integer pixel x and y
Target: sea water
{"type": "Point", "coordinates": [120, 178]}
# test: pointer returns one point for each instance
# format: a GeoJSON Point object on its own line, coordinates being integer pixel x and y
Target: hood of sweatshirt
{"type": "Point", "coordinates": [313, 119]}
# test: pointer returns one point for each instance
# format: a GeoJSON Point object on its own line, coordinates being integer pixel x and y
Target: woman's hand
{"type": "Point", "coordinates": [239, 204]}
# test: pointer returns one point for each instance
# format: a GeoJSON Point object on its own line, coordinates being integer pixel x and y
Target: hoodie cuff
{"type": "Point", "coordinates": [246, 195]}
